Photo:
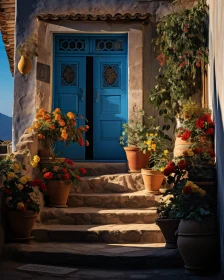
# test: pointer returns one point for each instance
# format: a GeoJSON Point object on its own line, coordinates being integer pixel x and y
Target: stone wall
{"type": "Point", "coordinates": [2, 236]}
{"type": "Point", "coordinates": [216, 95]}
{"type": "Point", "coordinates": [29, 94]}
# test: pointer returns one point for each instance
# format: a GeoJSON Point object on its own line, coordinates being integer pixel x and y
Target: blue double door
{"type": "Point", "coordinates": [91, 81]}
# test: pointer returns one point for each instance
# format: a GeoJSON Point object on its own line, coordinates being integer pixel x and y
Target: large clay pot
{"type": "Point", "coordinates": [180, 147]}
{"type": "Point", "coordinates": [21, 224]}
{"type": "Point", "coordinates": [169, 228]}
{"type": "Point", "coordinates": [136, 159]}
{"type": "Point", "coordinates": [24, 65]}
{"type": "Point", "coordinates": [58, 192]}
{"type": "Point", "coordinates": [198, 244]}
{"type": "Point", "coordinates": [152, 180]}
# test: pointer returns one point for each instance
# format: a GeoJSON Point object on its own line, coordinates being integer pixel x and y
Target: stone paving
{"type": "Point", "coordinates": [8, 271]}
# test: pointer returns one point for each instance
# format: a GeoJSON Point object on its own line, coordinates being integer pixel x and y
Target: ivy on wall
{"type": "Point", "coordinates": [181, 43]}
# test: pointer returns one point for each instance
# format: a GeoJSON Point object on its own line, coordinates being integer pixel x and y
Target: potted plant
{"type": "Point", "coordinates": [168, 206]}
{"type": "Point", "coordinates": [60, 176]}
{"type": "Point", "coordinates": [157, 145]}
{"type": "Point", "coordinates": [56, 126]}
{"type": "Point", "coordinates": [22, 199]}
{"type": "Point", "coordinates": [133, 136]}
{"type": "Point", "coordinates": [197, 229]}
{"type": "Point", "coordinates": [27, 50]}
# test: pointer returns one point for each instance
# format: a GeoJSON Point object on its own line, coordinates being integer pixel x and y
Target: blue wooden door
{"type": "Point", "coordinates": [109, 105]}
{"type": "Point", "coordinates": [69, 96]}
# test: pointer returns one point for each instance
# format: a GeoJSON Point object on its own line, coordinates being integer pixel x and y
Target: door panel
{"type": "Point", "coordinates": [110, 106]}
{"type": "Point", "coordinates": [70, 83]}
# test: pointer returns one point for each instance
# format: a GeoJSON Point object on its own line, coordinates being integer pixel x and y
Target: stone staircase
{"type": "Point", "coordinates": [109, 216]}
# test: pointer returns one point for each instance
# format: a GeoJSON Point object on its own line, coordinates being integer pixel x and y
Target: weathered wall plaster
{"type": "Point", "coordinates": [28, 95]}
{"type": "Point", "coordinates": [216, 93]}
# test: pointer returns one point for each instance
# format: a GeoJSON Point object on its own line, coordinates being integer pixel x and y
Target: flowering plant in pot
{"type": "Point", "coordinates": [197, 229]}
{"type": "Point", "coordinates": [56, 126]}
{"type": "Point", "coordinates": [60, 176]}
{"type": "Point", "coordinates": [157, 145]}
{"type": "Point", "coordinates": [196, 127]}
{"type": "Point", "coordinates": [27, 50]}
{"type": "Point", "coordinates": [22, 199]}
{"type": "Point", "coordinates": [133, 136]}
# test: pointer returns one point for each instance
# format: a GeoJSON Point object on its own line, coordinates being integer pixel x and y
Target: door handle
{"type": "Point", "coordinates": [82, 93]}
{"type": "Point", "coordinates": [96, 96]}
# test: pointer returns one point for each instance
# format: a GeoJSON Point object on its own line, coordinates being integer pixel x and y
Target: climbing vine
{"type": "Point", "coordinates": [181, 43]}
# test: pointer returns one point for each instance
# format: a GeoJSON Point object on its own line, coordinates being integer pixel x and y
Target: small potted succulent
{"type": "Point", "coordinates": [27, 50]}
{"type": "Point", "coordinates": [22, 199]}
{"type": "Point", "coordinates": [133, 136]}
{"type": "Point", "coordinates": [60, 176]}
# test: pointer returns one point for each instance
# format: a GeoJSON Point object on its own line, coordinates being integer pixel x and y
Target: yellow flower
{"type": "Point", "coordinates": [195, 188]}
{"type": "Point", "coordinates": [20, 186]}
{"type": "Point", "coordinates": [16, 167]}
{"type": "Point", "coordinates": [37, 125]}
{"type": "Point", "coordinates": [149, 142]}
{"type": "Point", "coordinates": [11, 175]}
{"type": "Point", "coordinates": [28, 178]}
{"type": "Point", "coordinates": [153, 147]}
{"type": "Point", "coordinates": [57, 117]}
{"type": "Point", "coordinates": [56, 168]}
{"type": "Point", "coordinates": [202, 192]}
{"type": "Point", "coordinates": [70, 115]}
{"type": "Point", "coordinates": [36, 159]}
{"type": "Point", "coordinates": [23, 180]}
{"type": "Point", "coordinates": [190, 153]}
{"type": "Point", "coordinates": [33, 164]}
{"type": "Point", "coordinates": [166, 152]}
{"type": "Point", "coordinates": [44, 170]}
{"type": "Point", "coordinates": [147, 134]}
{"type": "Point", "coordinates": [162, 169]}
{"type": "Point", "coordinates": [151, 134]}
{"type": "Point", "coordinates": [20, 206]}
{"type": "Point", "coordinates": [156, 134]}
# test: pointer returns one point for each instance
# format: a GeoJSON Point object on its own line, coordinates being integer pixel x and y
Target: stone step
{"type": "Point", "coordinates": [113, 183]}
{"type": "Point", "coordinates": [121, 256]}
{"type": "Point", "coordinates": [126, 233]}
{"type": "Point", "coordinates": [139, 199]}
{"type": "Point", "coordinates": [96, 216]}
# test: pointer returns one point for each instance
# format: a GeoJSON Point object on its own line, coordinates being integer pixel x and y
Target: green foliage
{"type": "Point", "coordinates": [181, 44]}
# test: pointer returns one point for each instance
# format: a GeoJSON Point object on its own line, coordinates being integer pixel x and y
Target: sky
{"type": "Point", "coordinates": [6, 83]}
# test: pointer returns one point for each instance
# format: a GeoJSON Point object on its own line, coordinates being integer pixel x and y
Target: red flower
{"type": "Point", "coordinates": [7, 191]}
{"type": "Point", "coordinates": [68, 161]}
{"type": "Point", "coordinates": [81, 141]}
{"type": "Point", "coordinates": [200, 123]}
{"type": "Point", "coordinates": [39, 183]}
{"type": "Point", "coordinates": [186, 135]}
{"type": "Point", "coordinates": [82, 170]}
{"type": "Point", "coordinates": [48, 175]}
{"type": "Point", "coordinates": [185, 30]}
{"type": "Point", "coordinates": [182, 164]}
{"type": "Point", "coordinates": [209, 131]}
{"type": "Point", "coordinates": [66, 176]}
{"type": "Point", "coordinates": [183, 64]}
{"type": "Point", "coordinates": [78, 177]}
{"type": "Point", "coordinates": [198, 63]}
{"type": "Point", "coordinates": [179, 135]}
{"type": "Point", "coordinates": [187, 117]}
{"type": "Point", "coordinates": [64, 170]}
{"type": "Point", "coordinates": [187, 190]}
{"type": "Point", "coordinates": [197, 151]}
{"type": "Point", "coordinates": [87, 143]}
{"type": "Point", "coordinates": [212, 153]}
{"type": "Point", "coordinates": [208, 118]}
{"type": "Point", "coordinates": [169, 169]}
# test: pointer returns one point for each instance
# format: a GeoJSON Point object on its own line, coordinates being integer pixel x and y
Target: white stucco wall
{"type": "Point", "coordinates": [216, 97]}
{"type": "Point", "coordinates": [28, 94]}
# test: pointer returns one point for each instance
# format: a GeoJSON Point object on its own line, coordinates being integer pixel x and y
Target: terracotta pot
{"type": "Point", "coordinates": [21, 223]}
{"type": "Point", "coordinates": [152, 180]}
{"type": "Point", "coordinates": [136, 159]}
{"type": "Point", "coordinates": [169, 228]}
{"type": "Point", "coordinates": [180, 147]}
{"type": "Point", "coordinates": [24, 65]}
{"type": "Point", "coordinates": [58, 192]}
{"type": "Point", "coordinates": [198, 243]}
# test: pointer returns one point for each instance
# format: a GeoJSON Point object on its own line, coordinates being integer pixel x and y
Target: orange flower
{"type": "Point", "coordinates": [87, 127]}
{"type": "Point", "coordinates": [37, 125]}
{"type": "Point", "coordinates": [46, 117]}
{"type": "Point", "coordinates": [40, 136]}
{"type": "Point", "coordinates": [41, 111]}
{"type": "Point", "coordinates": [61, 122]}
{"type": "Point", "coordinates": [74, 123]}
{"type": "Point", "coordinates": [70, 115]}
{"type": "Point", "coordinates": [57, 117]}
{"type": "Point", "coordinates": [52, 127]}
{"type": "Point", "coordinates": [57, 110]}
{"type": "Point", "coordinates": [38, 116]}
{"type": "Point", "coordinates": [81, 128]}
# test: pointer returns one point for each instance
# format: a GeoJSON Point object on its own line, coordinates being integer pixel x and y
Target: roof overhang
{"type": "Point", "coordinates": [89, 17]}
{"type": "Point", "coordinates": [7, 27]}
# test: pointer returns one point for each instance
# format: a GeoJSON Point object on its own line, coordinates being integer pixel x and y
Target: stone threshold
{"type": "Point", "coordinates": [122, 256]}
